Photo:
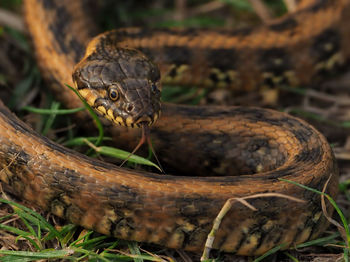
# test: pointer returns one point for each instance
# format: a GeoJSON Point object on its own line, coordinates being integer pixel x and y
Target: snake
{"type": "Point", "coordinates": [222, 152]}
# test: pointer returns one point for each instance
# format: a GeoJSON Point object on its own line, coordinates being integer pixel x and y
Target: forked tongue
{"type": "Point", "coordinates": [144, 138]}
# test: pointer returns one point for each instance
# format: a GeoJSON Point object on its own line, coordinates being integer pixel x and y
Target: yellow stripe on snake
{"type": "Point", "coordinates": [236, 151]}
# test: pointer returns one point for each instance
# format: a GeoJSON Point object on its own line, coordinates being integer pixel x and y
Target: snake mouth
{"type": "Point", "coordinates": [144, 120]}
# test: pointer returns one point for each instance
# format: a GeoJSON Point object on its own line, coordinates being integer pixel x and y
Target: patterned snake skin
{"type": "Point", "coordinates": [244, 150]}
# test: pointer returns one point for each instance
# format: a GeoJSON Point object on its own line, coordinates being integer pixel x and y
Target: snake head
{"type": "Point", "coordinates": [120, 83]}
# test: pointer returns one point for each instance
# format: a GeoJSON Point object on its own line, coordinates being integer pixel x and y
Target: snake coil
{"type": "Point", "coordinates": [247, 150]}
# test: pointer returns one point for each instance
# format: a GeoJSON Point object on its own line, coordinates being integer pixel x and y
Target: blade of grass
{"type": "Point", "coordinates": [241, 5]}
{"type": "Point", "coordinates": [49, 122]}
{"type": "Point", "coordinates": [109, 151]}
{"type": "Point", "coordinates": [121, 154]}
{"type": "Point", "coordinates": [49, 254]}
{"type": "Point", "coordinates": [113, 245]}
{"type": "Point", "coordinates": [67, 233]}
{"type": "Point", "coordinates": [126, 256]}
{"type": "Point", "coordinates": [319, 118]}
{"type": "Point", "coordinates": [318, 241]}
{"type": "Point", "coordinates": [15, 230]}
{"type": "Point", "coordinates": [135, 250]}
{"type": "Point", "coordinates": [268, 253]}
{"type": "Point", "coordinates": [39, 231]}
{"type": "Point", "coordinates": [26, 218]}
{"type": "Point", "coordinates": [93, 114]}
{"type": "Point", "coordinates": [86, 236]}
{"type": "Point", "coordinates": [15, 259]}
{"type": "Point", "coordinates": [31, 240]}
{"type": "Point", "coordinates": [90, 253]}
{"type": "Point", "coordinates": [291, 257]}
{"type": "Point", "coordinates": [80, 141]}
{"type": "Point", "coordinates": [333, 203]}
{"type": "Point", "coordinates": [94, 242]}
{"type": "Point", "coordinates": [20, 233]}
{"type": "Point", "coordinates": [52, 111]}
{"type": "Point", "coordinates": [33, 214]}
{"type": "Point", "coordinates": [6, 217]}
{"type": "Point", "coordinates": [26, 223]}
{"type": "Point", "coordinates": [295, 90]}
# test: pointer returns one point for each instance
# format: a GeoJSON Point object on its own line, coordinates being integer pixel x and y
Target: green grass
{"type": "Point", "coordinates": [95, 142]}
{"type": "Point", "coordinates": [41, 235]}
{"type": "Point", "coordinates": [88, 245]}
{"type": "Point", "coordinates": [345, 232]}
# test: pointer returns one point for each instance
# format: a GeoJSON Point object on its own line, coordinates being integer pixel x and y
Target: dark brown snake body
{"type": "Point", "coordinates": [252, 147]}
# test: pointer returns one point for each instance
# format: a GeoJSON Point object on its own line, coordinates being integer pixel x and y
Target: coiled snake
{"type": "Point", "coordinates": [252, 147]}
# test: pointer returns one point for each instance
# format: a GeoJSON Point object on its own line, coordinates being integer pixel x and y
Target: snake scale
{"type": "Point", "coordinates": [236, 151]}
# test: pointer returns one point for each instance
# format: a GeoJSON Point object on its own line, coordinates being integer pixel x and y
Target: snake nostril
{"type": "Point", "coordinates": [129, 108]}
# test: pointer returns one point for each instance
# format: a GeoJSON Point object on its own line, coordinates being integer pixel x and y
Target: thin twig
{"type": "Point", "coordinates": [156, 257]}
{"type": "Point", "coordinates": [227, 206]}
{"type": "Point", "coordinates": [12, 20]}
{"type": "Point", "coordinates": [342, 101]}
{"type": "Point", "coordinates": [261, 10]}
{"type": "Point", "coordinates": [206, 8]}
{"type": "Point", "coordinates": [11, 162]}
{"type": "Point", "coordinates": [184, 255]}
{"type": "Point", "coordinates": [342, 155]}
{"type": "Point", "coordinates": [291, 5]}
{"type": "Point", "coordinates": [180, 10]}
{"type": "Point", "coordinates": [325, 212]}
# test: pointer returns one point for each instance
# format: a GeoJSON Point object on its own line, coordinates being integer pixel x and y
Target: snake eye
{"type": "Point", "coordinates": [113, 93]}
